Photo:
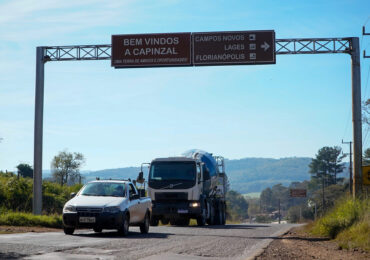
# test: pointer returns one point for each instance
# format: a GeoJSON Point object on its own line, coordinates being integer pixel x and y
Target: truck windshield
{"type": "Point", "coordinates": [104, 189]}
{"type": "Point", "coordinates": [184, 171]}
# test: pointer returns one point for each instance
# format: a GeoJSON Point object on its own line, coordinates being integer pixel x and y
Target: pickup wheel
{"type": "Point", "coordinates": [123, 230]}
{"type": "Point", "coordinates": [68, 231]}
{"type": "Point", "coordinates": [144, 227]}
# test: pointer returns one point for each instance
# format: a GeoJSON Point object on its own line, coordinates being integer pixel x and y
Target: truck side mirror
{"type": "Point", "coordinates": [140, 178]}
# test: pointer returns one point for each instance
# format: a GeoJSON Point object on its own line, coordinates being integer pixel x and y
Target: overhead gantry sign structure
{"type": "Point", "coordinates": [196, 49]}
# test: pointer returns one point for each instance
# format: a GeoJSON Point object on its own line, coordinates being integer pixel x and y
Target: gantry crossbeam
{"type": "Point", "coordinates": [283, 46]}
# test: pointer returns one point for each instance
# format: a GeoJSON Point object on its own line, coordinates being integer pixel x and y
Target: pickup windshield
{"type": "Point", "coordinates": [181, 171]}
{"type": "Point", "coordinates": [104, 189]}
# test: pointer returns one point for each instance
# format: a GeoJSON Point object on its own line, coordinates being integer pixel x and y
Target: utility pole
{"type": "Point", "coordinates": [350, 165]}
{"type": "Point", "coordinates": [356, 117]}
{"type": "Point", "coordinates": [323, 192]}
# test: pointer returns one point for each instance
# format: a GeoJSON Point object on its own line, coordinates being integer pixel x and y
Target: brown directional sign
{"type": "Point", "coordinates": [147, 50]}
{"type": "Point", "coordinates": [234, 48]}
{"type": "Point", "coordinates": [300, 193]}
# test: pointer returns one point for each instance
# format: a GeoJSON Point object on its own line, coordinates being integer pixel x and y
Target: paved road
{"type": "Point", "coordinates": [164, 243]}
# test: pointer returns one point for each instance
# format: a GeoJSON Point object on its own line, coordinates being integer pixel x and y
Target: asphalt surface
{"type": "Point", "coordinates": [163, 242]}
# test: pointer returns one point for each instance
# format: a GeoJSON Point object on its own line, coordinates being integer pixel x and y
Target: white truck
{"type": "Point", "coordinates": [191, 186]}
{"type": "Point", "coordinates": [107, 204]}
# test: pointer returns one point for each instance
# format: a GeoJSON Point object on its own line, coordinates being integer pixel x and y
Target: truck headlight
{"type": "Point", "coordinates": [69, 209]}
{"type": "Point", "coordinates": [114, 209]}
{"type": "Point", "coordinates": [194, 204]}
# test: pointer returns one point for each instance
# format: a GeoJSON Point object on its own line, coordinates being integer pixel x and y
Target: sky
{"type": "Point", "coordinates": [123, 117]}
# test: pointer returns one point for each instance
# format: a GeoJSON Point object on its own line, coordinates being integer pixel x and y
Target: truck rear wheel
{"type": "Point", "coordinates": [223, 216]}
{"type": "Point", "coordinates": [219, 217]}
{"type": "Point", "coordinates": [165, 221]}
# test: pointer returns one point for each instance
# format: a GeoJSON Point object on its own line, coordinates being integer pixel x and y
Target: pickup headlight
{"type": "Point", "coordinates": [194, 204]}
{"type": "Point", "coordinates": [69, 209]}
{"type": "Point", "coordinates": [114, 209]}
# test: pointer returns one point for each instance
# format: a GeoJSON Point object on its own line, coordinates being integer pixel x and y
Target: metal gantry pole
{"type": "Point", "coordinates": [356, 117]}
{"type": "Point", "coordinates": [39, 111]}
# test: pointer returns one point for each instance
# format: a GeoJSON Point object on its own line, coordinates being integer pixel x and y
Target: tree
{"type": "Point", "coordinates": [237, 206]}
{"type": "Point", "coordinates": [325, 167]}
{"type": "Point", "coordinates": [66, 167]}
{"type": "Point", "coordinates": [25, 170]}
{"type": "Point", "coordinates": [366, 157]}
{"type": "Point", "coordinates": [366, 112]}
{"type": "Point", "coordinates": [327, 164]}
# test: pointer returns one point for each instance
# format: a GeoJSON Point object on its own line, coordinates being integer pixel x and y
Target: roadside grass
{"type": "Point", "coordinates": [348, 222]}
{"type": "Point", "coordinates": [357, 236]}
{"type": "Point", "coordinates": [28, 219]}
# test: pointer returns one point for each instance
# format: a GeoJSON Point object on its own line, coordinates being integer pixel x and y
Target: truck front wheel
{"type": "Point", "coordinates": [154, 221]}
{"type": "Point", "coordinates": [201, 219]}
{"type": "Point", "coordinates": [68, 231]}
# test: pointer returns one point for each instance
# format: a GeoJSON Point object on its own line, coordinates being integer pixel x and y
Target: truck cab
{"type": "Point", "coordinates": [186, 187]}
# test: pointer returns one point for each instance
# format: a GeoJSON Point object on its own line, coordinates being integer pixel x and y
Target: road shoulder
{"type": "Point", "coordinates": [296, 244]}
{"type": "Point", "coordinates": [25, 229]}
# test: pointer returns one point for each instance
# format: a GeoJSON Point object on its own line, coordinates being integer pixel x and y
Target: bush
{"type": "Point", "coordinates": [16, 194]}
{"type": "Point", "coordinates": [27, 219]}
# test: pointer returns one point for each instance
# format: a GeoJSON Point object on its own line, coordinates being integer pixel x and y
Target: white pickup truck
{"type": "Point", "coordinates": [107, 204]}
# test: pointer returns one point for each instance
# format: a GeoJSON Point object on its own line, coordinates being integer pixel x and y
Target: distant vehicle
{"type": "Point", "coordinates": [191, 186]}
{"type": "Point", "coordinates": [107, 204]}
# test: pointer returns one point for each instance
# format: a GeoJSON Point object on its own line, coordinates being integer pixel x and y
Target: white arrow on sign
{"type": "Point", "coordinates": [265, 46]}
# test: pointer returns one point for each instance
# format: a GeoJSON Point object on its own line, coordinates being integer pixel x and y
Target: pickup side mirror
{"type": "Point", "coordinates": [73, 194]}
{"type": "Point", "coordinates": [141, 192]}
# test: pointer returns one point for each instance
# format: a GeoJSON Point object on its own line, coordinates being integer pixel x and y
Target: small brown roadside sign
{"type": "Point", "coordinates": [298, 193]}
{"type": "Point", "coordinates": [151, 50]}
{"type": "Point", "coordinates": [234, 48]}
{"type": "Point", "coordinates": [366, 175]}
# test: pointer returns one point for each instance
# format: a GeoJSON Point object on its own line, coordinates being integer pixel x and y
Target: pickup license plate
{"type": "Point", "coordinates": [182, 211]}
{"type": "Point", "coordinates": [87, 219]}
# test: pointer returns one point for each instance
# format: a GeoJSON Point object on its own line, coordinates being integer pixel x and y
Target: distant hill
{"type": "Point", "coordinates": [255, 174]}
{"type": "Point", "coordinates": [245, 175]}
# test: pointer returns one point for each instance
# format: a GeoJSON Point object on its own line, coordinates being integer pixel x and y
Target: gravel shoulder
{"type": "Point", "coordinates": [20, 229]}
{"type": "Point", "coordinates": [297, 244]}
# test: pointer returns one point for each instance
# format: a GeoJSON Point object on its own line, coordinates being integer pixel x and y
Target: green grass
{"type": "Point", "coordinates": [348, 222]}
{"type": "Point", "coordinates": [342, 216]}
{"type": "Point", "coordinates": [357, 236]}
{"type": "Point", "coordinates": [28, 219]}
